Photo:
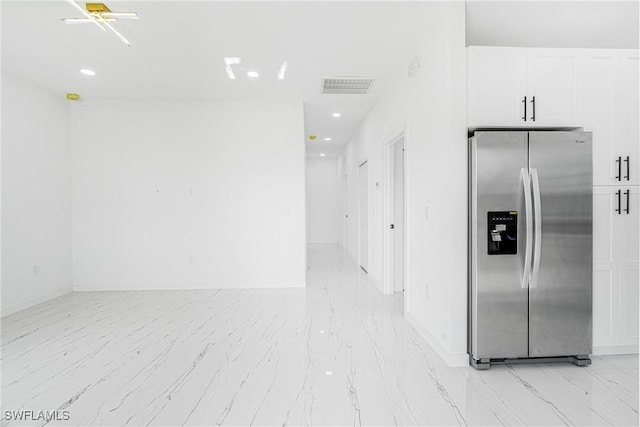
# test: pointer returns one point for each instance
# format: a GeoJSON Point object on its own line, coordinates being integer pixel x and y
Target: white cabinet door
{"type": "Point", "coordinates": [605, 273]}
{"type": "Point", "coordinates": [616, 273]}
{"type": "Point", "coordinates": [629, 265]}
{"type": "Point", "coordinates": [497, 86]}
{"type": "Point", "coordinates": [601, 115]}
{"type": "Point", "coordinates": [611, 113]}
{"type": "Point", "coordinates": [629, 121]}
{"type": "Point", "coordinates": [555, 80]}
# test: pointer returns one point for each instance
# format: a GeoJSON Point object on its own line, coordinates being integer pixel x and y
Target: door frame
{"type": "Point", "coordinates": [388, 162]}
{"type": "Point", "coordinates": [360, 210]}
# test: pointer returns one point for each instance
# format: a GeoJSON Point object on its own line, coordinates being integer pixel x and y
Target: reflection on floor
{"type": "Point", "coordinates": [337, 353]}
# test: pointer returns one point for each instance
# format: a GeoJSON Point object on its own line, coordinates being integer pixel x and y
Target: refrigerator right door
{"type": "Point", "coordinates": [560, 291]}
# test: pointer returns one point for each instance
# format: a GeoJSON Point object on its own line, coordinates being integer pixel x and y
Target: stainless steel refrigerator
{"type": "Point", "coordinates": [530, 247]}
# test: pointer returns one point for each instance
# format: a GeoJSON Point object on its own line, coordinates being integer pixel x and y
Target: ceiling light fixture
{"type": "Point", "coordinates": [229, 61]}
{"type": "Point", "coordinates": [253, 74]}
{"type": "Point", "coordinates": [282, 71]}
{"type": "Point", "coordinates": [88, 72]}
{"type": "Point", "coordinates": [116, 32]}
{"type": "Point", "coordinates": [86, 14]}
{"type": "Point", "coordinates": [84, 20]}
{"type": "Point", "coordinates": [102, 16]}
{"type": "Point", "coordinates": [322, 154]}
{"type": "Point", "coordinates": [327, 139]}
{"type": "Point", "coordinates": [336, 114]}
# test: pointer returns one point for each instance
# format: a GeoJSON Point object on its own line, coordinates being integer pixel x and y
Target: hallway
{"type": "Point", "coordinates": [336, 353]}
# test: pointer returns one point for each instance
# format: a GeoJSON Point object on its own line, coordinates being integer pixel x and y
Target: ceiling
{"type": "Point", "coordinates": [178, 51]}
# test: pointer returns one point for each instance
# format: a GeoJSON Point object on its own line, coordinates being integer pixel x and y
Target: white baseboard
{"type": "Point", "coordinates": [185, 286]}
{"type": "Point", "coordinates": [34, 301]}
{"type": "Point", "coordinates": [454, 360]}
{"type": "Point", "coordinates": [602, 350]}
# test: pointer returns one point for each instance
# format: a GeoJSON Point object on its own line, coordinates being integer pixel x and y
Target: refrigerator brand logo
{"type": "Point", "coordinates": [579, 141]}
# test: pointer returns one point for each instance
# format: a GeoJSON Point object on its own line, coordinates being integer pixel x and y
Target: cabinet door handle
{"type": "Point", "coordinates": [619, 194]}
{"type": "Point", "coordinates": [627, 162]}
{"type": "Point", "coordinates": [619, 162]}
{"type": "Point", "coordinates": [524, 101]}
{"type": "Point", "coordinates": [533, 102]}
{"type": "Point", "coordinates": [627, 209]}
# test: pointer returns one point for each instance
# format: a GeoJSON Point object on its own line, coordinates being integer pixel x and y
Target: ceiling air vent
{"type": "Point", "coordinates": [347, 85]}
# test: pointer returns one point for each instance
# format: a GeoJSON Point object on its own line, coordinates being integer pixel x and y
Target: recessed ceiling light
{"type": "Point", "coordinates": [328, 373]}
{"type": "Point", "coordinates": [283, 69]}
{"type": "Point", "coordinates": [327, 139]}
{"type": "Point", "coordinates": [253, 74]}
{"type": "Point", "coordinates": [88, 72]}
{"type": "Point", "coordinates": [336, 114]}
{"type": "Point", "coordinates": [322, 154]}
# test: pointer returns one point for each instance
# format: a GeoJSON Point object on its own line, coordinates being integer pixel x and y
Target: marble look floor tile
{"type": "Point", "coordinates": [335, 353]}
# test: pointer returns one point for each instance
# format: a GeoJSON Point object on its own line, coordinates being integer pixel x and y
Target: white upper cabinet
{"type": "Point", "coordinates": [497, 86]}
{"type": "Point", "coordinates": [554, 78]}
{"type": "Point", "coordinates": [524, 87]}
{"type": "Point", "coordinates": [611, 113]}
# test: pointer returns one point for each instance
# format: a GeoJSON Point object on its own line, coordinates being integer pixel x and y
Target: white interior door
{"type": "Point", "coordinates": [363, 216]}
{"type": "Point", "coordinates": [398, 216]}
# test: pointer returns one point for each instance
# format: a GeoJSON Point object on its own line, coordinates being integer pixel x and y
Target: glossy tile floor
{"type": "Point", "coordinates": [337, 353]}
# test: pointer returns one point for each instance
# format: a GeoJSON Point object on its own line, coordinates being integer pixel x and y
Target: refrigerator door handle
{"type": "Point", "coordinates": [537, 217]}
{"type": "Point", "coordinates": [528, 208]}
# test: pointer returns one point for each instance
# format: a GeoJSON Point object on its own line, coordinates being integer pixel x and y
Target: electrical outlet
{"type": "Point", "coordinates": [427, 213]}
{"type": "Point", "coordinates": [36, 270]}
{"type": "Point", "coordinates": [192, 259]}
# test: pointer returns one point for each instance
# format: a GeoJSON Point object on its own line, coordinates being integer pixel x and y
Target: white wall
{"type": "Point", "coordinates": [580, 24]}
{"type": "Point", "coordinates": [323, 200]}
{"type": "Point", "coordinates": [36, 195]}
{"type": "Point", "coordinates": [431, 107]}
{"type": "Point", "coordinates": [187, 195]}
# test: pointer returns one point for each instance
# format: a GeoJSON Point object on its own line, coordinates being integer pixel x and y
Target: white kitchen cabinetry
{"type": "Point", "coordinates": [518, 87]}
{"type": "Point", "coordinates": [611, 113]}
{"type": "Point", "coordinates": [497, 86]}
{"type": "Point", "coordinates": [616, 273]}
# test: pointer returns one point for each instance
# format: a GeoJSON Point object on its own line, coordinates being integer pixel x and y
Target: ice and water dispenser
{"type": "Point", "coordinates": [502, 238]}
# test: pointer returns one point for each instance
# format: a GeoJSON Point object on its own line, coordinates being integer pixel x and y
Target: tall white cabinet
{"type": "Point", "coordinates": [611, 94]}
{"type": "Point", "coordinates": [594, 89]}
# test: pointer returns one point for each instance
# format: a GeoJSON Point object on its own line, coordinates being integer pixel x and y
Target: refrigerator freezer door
{"type": "Point", "coordinates": [498, 301]}
{"type": "Point", "coordinates": [560, 293]}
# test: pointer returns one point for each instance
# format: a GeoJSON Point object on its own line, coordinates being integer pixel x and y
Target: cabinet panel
{"type": "Point", "coordinates": [605, 280]}
{"type": "Point", "coordinates": [555, 79]}
{"type": "Point", "coordinates": [616, 266]}
{"type": "Point", "coordinates": [629, 308]}
{"type": "Point", "coordinates": [497, 85]}
{"type": "Point", "coordinates": [600, 115]}
{"type": "Point", "coordinates": [604, 301]}
{"type": "Point", "coordinates": [629, 122]}
{"type": "Point", "coordinates": [629, 266]}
